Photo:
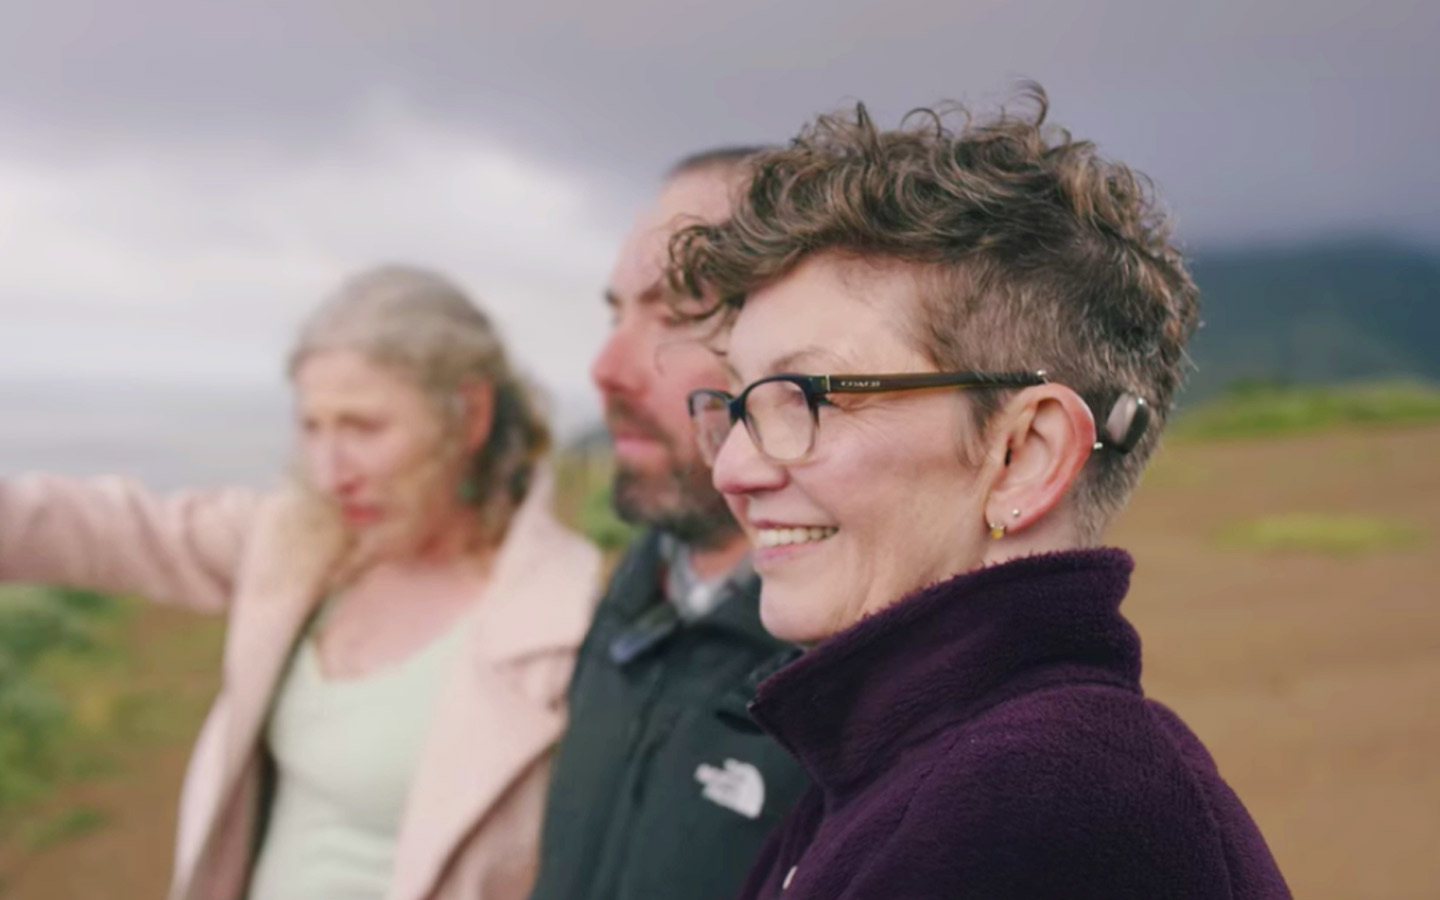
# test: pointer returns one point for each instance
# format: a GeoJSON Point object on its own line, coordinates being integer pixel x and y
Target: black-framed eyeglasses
{"type": "Point", "coordinates": [782, 412]}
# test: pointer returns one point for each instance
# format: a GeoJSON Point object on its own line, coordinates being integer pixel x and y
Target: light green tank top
{"type": "Point", "coordinates": [345, 753]}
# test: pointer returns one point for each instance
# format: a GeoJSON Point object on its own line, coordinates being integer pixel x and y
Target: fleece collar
{"type": "Point", "coordinates": [848, 707]}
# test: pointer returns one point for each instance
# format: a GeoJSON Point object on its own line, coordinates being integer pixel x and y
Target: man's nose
{"type": "Point", "coordinates": [622, 363]}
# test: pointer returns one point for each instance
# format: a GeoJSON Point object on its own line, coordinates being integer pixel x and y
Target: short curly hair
{"type": "Point", "coordinates": [1029, 252]}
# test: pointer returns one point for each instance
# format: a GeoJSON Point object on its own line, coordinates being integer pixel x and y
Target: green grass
{"type": "Point", "coordinates": [1261, 410]}
{"type": "Point", "coordinates": [1322, 534]}
{"type": "Point", "coordinates": [66, 825]}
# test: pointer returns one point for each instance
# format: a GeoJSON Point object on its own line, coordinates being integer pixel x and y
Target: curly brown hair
{"type": "Point", "coordinates": [1029, 251]}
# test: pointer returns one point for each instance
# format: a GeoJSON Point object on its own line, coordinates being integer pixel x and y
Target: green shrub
{"type": "Point", "coordinates": [39, 626]}
{"type": "Point", "coordinates": [598, 521]}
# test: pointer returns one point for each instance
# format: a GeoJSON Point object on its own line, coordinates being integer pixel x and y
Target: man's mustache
{"type": "Point", "coordinates": [620, 415]}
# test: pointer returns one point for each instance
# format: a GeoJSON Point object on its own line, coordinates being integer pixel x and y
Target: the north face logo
{"type": "Point", "coordinates": [738, 787]}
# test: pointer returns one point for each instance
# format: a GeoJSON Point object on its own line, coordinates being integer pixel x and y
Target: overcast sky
{"type": "Point", "coordinates": [180, 180]}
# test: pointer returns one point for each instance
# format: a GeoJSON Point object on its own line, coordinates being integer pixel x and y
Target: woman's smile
{"type": "Point", "coordinates": [776, 543]}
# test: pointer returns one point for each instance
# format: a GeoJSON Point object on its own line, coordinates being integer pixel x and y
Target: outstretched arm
{"type": "Point", "coordinates": [112, 535]}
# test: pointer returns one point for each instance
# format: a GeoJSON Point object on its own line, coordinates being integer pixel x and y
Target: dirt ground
{"type": "Point", "coordinates": [1314, 680]}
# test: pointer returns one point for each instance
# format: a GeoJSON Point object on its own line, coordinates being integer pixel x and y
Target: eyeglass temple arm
{"type": "Point", "coordinates": [859, 384]}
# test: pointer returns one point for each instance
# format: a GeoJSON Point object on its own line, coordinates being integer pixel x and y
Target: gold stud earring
{"type": "Point", "coordinates": [996, 531]}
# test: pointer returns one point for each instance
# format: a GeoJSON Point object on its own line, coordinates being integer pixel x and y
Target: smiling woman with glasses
{"type": "Point", "coordinates": [969, 703]}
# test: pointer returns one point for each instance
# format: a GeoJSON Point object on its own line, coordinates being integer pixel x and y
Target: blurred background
{"type": "Point", "coordinates": [180, 182]}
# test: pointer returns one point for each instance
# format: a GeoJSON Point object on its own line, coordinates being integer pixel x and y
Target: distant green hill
{"type": "Point", "coordinates": [1321, 312]}
{"type": "Point", "coordinates": [1262, 410]}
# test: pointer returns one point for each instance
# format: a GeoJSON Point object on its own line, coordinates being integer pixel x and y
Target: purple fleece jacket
{"type": "Point", "coordinates": [986, 738]}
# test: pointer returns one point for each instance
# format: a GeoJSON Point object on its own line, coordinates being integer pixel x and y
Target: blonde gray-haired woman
{"type": "Point", "coordinates": [402, 620]}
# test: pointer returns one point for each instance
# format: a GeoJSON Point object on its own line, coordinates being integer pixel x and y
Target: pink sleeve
{"type": "Point", "coordinates": [112, 535]}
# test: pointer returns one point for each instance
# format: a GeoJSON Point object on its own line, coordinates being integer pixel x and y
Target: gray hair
{"type": "Point", "coordinates": [422, 324]}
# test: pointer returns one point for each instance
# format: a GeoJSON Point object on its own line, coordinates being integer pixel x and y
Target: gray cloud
{"type": "Point", "coordinates": [1257, 118]}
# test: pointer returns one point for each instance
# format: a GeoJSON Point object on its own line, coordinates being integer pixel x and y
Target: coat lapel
{"type": "Point", "coordinates": [291, 548]}
{"type": "Point", "coordinates": [490, 725]}
{"type": "Point", "coordinates": [295, 545]}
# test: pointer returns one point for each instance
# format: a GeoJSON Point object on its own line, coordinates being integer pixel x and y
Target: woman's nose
{"type": "Point", "coordinates": [740, 467]}
{"type": "Point", "coordinates": [329, 467]}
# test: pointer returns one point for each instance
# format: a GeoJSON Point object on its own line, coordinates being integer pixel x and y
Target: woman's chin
{"type": "Point", "coordinates": [792, 616]}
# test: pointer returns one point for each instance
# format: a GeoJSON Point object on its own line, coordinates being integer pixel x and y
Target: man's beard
{"type": "Point", "coordinates": [681, 500]}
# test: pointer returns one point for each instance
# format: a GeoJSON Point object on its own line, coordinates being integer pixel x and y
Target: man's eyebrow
{"type": "Point", "coordinates": [655, 294]}
{"type": "Point", "coordinates": [652, 295]}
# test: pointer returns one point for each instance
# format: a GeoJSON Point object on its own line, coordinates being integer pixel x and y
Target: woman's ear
{"type": "Point", "coordinates": [1048, 437]}
{"type": "Point", "coordinates": [478, 417]}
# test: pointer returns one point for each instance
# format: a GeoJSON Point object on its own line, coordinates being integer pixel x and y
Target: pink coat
{"type": "Point", "coordinates": [472, 821]}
